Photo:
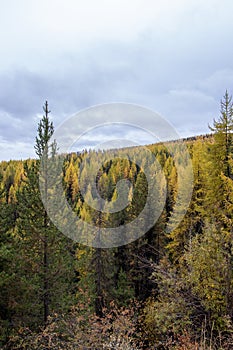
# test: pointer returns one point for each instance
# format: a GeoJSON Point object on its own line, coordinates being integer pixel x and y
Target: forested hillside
{"type": "Point", "coordinates": [165, 290]}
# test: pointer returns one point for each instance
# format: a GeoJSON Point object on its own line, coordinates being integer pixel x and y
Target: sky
{"type": "Point", "coordinates": [173, 57]}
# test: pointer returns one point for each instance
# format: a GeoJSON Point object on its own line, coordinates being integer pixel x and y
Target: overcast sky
{"type": "Point", "coordinates": [174, 57]}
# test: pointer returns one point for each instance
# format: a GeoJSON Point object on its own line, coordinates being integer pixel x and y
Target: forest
{"type": "Point", "coordinates": [167, 289]}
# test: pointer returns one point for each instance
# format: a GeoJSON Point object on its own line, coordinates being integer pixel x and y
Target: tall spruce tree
{"type": "Point", "coordinates": [220, 186]}
{"type": "Point", "coordinates": [47, 256]}
{"type": "Point", "coordinates": [223, 136]}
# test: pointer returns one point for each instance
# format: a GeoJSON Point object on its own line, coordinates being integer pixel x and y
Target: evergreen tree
{"type": "Point", "coordinates": [9, 281]}
{"type": "Point", "coordinates": [223, 136]}
{"type": "Point", "coordinates": [47, 256]}
{"type": "Point", "coordinates": [220, 185]}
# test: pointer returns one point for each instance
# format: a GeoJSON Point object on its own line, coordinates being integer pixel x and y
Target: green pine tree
{"type": "Point", "coordinates": [47, 264]}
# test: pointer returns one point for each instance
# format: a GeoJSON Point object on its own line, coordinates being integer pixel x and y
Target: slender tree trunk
{"type": "Point", "coordinates": [46, 284]}
{"type": "Point", "coordinates": [45, 243]}
{"type": "Point", "coordinates": [99, 301]}
{"type": "Point", "coordinates": [99, 292]}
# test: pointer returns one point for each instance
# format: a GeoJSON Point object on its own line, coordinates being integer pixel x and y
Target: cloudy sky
{"type": "Point", "coordinates": [174, 57]}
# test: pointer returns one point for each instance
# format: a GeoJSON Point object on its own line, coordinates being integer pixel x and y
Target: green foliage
{"type": "Point", "coordinates": [55, 294]}
{"type": "Point", "coordinates": [169, 314]}
{"type": "Point", "coordinates": [207, 263]}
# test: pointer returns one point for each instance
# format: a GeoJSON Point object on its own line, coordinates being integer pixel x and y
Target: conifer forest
{"type": "Point", "coordinates": [168, 289]}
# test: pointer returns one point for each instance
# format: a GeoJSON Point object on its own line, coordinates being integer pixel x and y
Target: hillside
{"type": "Point", "coordinates": [169, 285]}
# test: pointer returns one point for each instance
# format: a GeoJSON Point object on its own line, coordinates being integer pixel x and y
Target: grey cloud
{"type": "Point", "coordinates": [180, 72]}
